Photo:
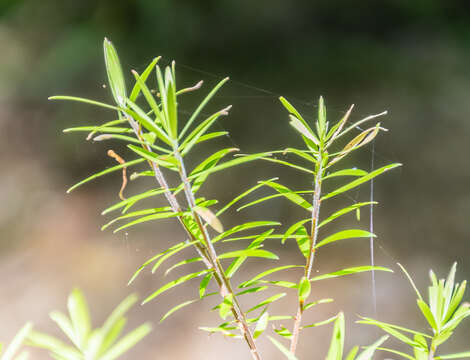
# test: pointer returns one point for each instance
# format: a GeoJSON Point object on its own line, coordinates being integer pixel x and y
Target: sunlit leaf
{"type": "Point", "coordinates": [104, 172]}
{"type": "Point", "coordinates": [360, 181]}
{"type": "Point", "coordinates": [174, 283]}
{"type": "Point", "coordinates": [266, 273]}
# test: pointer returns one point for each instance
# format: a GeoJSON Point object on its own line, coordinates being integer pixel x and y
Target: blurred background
{"type": "Point", "coordinates": [408, 57]}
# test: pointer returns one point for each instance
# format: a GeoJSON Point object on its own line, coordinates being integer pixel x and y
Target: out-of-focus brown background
{"type": "Point", "coordinates": [409, 57]}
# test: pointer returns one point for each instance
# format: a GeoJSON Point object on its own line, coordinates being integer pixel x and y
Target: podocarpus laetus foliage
{"type": "Point", "coordinates": [148, 121]}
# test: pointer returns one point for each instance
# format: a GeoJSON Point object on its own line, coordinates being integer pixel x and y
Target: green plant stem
{"type": "Point", "coordinates": [313, 240]}
{"type": "Point", "coordinates": [226, 287]}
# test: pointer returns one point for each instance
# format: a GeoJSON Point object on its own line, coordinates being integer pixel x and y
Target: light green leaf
{"type": "Point", "coordinates": [349, 271]}
{"type": "Point", "coordinates": [266, 273]}
{"type": "Point", "coordinates": [87, 101]}
{"type": "Point", "coordinates": [283, 349]}
{"type": "Point", "coordinates": [321, 323]}
{"type": "Point", "coordinates": [346, 172]}
{"type": "Point", "coordinates": [136, 89]}
{"type": "Point", "coordinates": [249, 253]}
{"type": "Point", "coordinates": [114, 71]}
{"type": "Point", "coordinates": [226, 306]}
{"type": "Point", "coordinates": [200, 130]}
{"type": "Point", "coordinates": [427, 314]}
{"type": "Point", "coordinates": [80, 316]}
{"type": "Point", "coordinates": [15, 344]}
{"type": "Point", "coordinates": [314, 303]}
{"type": "Point", "coordinates": [104, 172]}
{"type": "Point", "coordinates": [267, 301]}
{"type": "Point", "coordinates": [345, 234]}
{"type": "Point", "coordinates": [243, 227]}
{"type": "Point", "coordinates": [127, 342]}
{"type": "Point", "coordinates": [304, 289]}
{"type": "Point", "coordinates": [176, 308]}
{"type": "Point", "coordinates": [201, 106]}
{"type": "Point", "coordinates": [289, 194]}
{"type": "Point", "coordinates": [370, 350]}
{"type": "Point", "coordinates": [293, 229]}
{"type": "Point", "coordinates": [230, 163]}
{"type": "Point", "coordinates": [261, 325]}
{"type": "Point", "coordinates": [360, 181]}
{"type": "Point", "coordinates": [335, 351]}
{"type": "Point", "coordinates": [166, 161]}
{"type": "Point", "coordinates": [133, 200]}
{"type": "Point", "coordinates": [344, 211]}
{"type": "Point", "coordinates": [174, 283]}
{"type": "Point", "coordinates": [65, 325]}
{"type": "Point", "coordinates": [204, 284]}
{"type": "Point", "coordinates": [163, 215]}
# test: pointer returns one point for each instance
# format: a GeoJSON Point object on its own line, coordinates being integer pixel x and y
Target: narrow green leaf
{"type": "Point", "coordinates": [138, 114]}
{"type": "Point", "coordinates": [15, 344]}
{"type": "Point", "coordinates": [176, 308]}
{"type": "Point", "coordinates": [230, 163]}
{"type": "Point", "coordinates": [118, 313]}
{"type": "Point", "coordinates": [427, 314]}
{"type": "Point", "coordinates": [200, 130]}
{"type": "Point", "coordinates": [158, 216]}
{"type": "Point", "coordinates": [169, 254]}
{"type": "Point", "coordinates": [360, 181]}
{"type": "Point", "coordinates": [226, 306]}
{"type": "Point", "coordinates": [410, 280]}
{"type": "Point", "coordinates": [289, 194]}
{"type": "Point", "coordinates": [136, 214]}
{"type": "Point", "coordinates": [370, 321]}
{"type": "Point", "coordinates": [162, 160]}
{"type": "Point", "coordinates": [174, 283]}
{"type": "Point", "coordinates": [335, 352]}
{"type": "Point", "coordinates": [342, 235]}
{"type": "Point", "coordinates": [344, 211]}
{"type": "Point", "coordinates": [57, 347]}
{"type": "Point", "coordinates": [266, 273]}
{"type": "Point", "coordinates": [133, 200]}
{"type": "Point", "coordinates": [267, 301]}
{"type": "Point", "coordinates": [352, 354]}
{"type": "Point", "coordinates": [293, 228]}
{"type": "Point", "coordinates": [136, 89]}
{"type": "Point", "coordinates": [321, 323]}
{"type": "Point", "coordinates": [100, 129]}
{"type": "Point", "coordinates": [87, 101]}
{"type": "Point", "coordinates": [114, 71]}
{"type": "Point", "coordinates": [127, 342]}
{"type": "Point", "coordinates": [304, 289]}
{"type": "Point", "coordinates": [314, 303]}
{"type": "Point", "coordinates": [282, 349]}
{"type": "Point", "coordinates": [249, 253]}
{"type": "Point", "coordinates": [65, 325]}
{"type": "Point", "coordinates": [80, 316]}
{"type": "Point", "coordinates": [346, 172]}
{"type": "Point", "coordinates": [261, 325]}
{"type": "Point", "coordinates": [243, 227]}
{"type": "Point", "coordinates": [204, 284]}
{"type": "Point", "coordinates": [201, 106]}
{"type": "Point", "coordinates": [349, 271]}
{"type": "Point", "coordinates": [155, 257]}
{"type": "Point", "coordinates": [288, 164]}
{"type": "Point", "coordinates": [104, 172]}
{"type": "Point", "coordinates": [370, 350]}
{"type": "Point", "coordinates": [148, 96]}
